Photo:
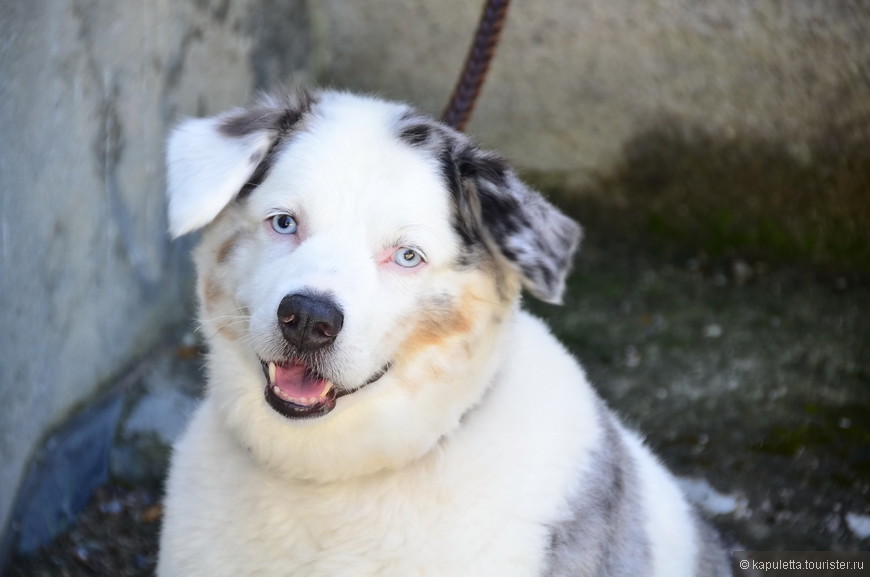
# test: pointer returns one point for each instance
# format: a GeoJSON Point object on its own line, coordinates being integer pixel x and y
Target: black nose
{"type": "Point", "coordinates": [309, 321]}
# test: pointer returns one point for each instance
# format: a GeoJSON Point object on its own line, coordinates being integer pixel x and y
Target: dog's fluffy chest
{"type": "Point", "coordinates": [415, 523]}
{"type": "Point", "coordinates": [449, 515]}
{"type": "Point", "coordinates": [478, 504]}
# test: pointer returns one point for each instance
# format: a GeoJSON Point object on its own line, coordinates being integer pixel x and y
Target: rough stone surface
{"type": "Point", "coordinates": [71, 466]}
{"type": "Point", "coordinates": [155, 412]}
{"type": "Point", "coordinates": [125, 435]}
{"type": "Point", "coordinates": [572, 81]}
{"type": "Point", "coordinates": [89, 280]}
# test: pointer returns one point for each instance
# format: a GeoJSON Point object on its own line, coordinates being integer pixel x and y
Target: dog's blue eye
{"type": "Point", "coordinates": [407, 257]}
{"type": "Point", "coordinates": [284, 224]}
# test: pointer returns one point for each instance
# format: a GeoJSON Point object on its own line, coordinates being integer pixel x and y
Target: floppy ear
{"type": "Point", "coordinates": [530, 233]}
{"type": "Point", "coordinates": [210, 160]}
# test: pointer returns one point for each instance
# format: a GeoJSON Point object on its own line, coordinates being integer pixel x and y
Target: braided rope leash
{"type": "Point", "coordinates": [467, 89]}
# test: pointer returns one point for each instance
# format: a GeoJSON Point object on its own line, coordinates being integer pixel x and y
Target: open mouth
{"type": "Point", "coordinates": [296, 391]}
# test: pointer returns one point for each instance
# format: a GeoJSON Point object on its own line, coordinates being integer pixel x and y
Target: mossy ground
{"type": "Point", "coordinates": [755, 378]}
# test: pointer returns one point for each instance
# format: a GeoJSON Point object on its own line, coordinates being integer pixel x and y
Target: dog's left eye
{"type": "Point", "coordinates": [408, 257]}
{"type": "Point", "coordinates": [284, 224]}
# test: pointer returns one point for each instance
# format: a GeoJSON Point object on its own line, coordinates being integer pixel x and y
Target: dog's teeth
{"type": "Point", "coordinates": [277, 391]}
{"type": "Point", "coordinates": [272, 370]}
{"type": "Point", "coordinates": [327, 389]}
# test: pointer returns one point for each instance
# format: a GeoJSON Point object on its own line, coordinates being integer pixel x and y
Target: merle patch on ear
{"type": "Point", "coordinates": [211, 161]}
{"type": "Point", "coordinates": [528, 231]}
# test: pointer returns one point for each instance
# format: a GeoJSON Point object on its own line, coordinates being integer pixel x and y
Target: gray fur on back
{"type": "Point", "coordinates": [604, 535]}
{"type": "Point", "coordinates": [713, 561]}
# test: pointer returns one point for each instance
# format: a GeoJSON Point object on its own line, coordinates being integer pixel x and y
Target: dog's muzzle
{"type": "Point", "coordinates": [308, 322]}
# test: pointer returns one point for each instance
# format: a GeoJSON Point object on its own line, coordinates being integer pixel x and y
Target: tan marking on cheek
{"type": "Point", "coordinates": [214, 300]}
{"type": "Point", "coordinates": [435, 326]}
{"type": "Point", "coordinates": [226, 248]}
{"type": "Point", "coordinates": [438, 341]}
{"type": "Point", "coordinates": [441, 324]}
{"type": "Point", "coordinates": [211, 293]}
{"type": "Point", "coordinates": [447, 334]}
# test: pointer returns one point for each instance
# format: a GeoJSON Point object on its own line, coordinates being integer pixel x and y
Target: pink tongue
{"type": "Point", "coordinates": [297, 381]}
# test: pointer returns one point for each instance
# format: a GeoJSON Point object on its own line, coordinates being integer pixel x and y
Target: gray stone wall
{"type": "Point", "coordinates": [573, 81]}
{"type": "Point", "coordinates": [89, 281]}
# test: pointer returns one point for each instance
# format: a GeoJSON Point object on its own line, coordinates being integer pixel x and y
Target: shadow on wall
{"type": "Point", "coordinates": [792, 202]}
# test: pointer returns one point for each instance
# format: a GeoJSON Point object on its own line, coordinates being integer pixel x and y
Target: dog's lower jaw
{"type": "Point", "coordinates": [293, 410]}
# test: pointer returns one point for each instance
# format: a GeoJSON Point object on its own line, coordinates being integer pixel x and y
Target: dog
{"type": "Point", "coordinates": [378, 403]}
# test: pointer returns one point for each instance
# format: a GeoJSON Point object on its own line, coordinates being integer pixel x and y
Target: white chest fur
{"type": "Point", "coordinates": [478, 504]}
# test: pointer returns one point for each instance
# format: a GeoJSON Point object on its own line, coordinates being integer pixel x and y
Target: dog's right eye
{"type": "Point", "coordinates": [284, 224]}
{"type": "Point", "coordinates": [408, 257]}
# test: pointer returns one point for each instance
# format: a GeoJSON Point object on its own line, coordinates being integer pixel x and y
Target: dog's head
{"type": "Point", "coordinates": [359, 265]}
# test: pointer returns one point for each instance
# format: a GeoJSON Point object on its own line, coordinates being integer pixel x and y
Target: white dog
{"type": "Point", "coordinates": [378, 404]}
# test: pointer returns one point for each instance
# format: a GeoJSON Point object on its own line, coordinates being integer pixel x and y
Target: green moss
{"type": "Point", "coordinates": [841, 432]}
{"type": "Point", "coordinates": [685, 186]}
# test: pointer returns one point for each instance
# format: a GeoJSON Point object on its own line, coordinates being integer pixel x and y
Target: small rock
{"type": "Point", "coordinates": [785, 517]}
{"type": "Point", "coordinates": [859, 525]}
{"type": "Point", "coordinates": [152, 514]}
{"type": "Point", "coordinates": [741, 271]}
{"type": "Point", "coordinates": [82, 554]}
{"type": "Point", "coordinates": [632, 357]}
{"type": "Point", "coordinates": [189, 339]}
{"type": "Point", "coordinates": [112, 507]}
{"type": "Point", "coordinates": [703, 495]}
{"type": "Point", "coordinates": [144, 561]}
{"type": "Point", "coordinates": [713, 331]}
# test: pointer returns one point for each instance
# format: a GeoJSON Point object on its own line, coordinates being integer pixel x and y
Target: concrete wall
{"type": "Point", "coordinates": [574, 80]}
{"type": "Point", "coordinates": [89, 281]}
